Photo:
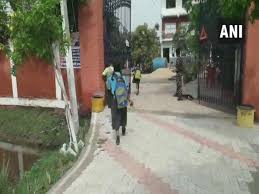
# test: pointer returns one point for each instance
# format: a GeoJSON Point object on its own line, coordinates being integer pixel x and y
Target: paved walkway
{"type": "Point", "coordinates": [171, 147]}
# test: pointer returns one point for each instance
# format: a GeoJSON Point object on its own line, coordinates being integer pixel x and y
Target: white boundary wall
{"type": "Point", "coordinates": [32, 102]}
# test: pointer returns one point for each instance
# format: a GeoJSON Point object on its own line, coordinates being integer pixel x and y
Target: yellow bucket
{"type": "Point", "coordinates": [97, 103]}
{"type": "Point", "coordinates": [245, 116]}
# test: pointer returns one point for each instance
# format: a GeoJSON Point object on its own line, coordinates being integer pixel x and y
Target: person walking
{"type": "Point", "coordinates": [120, 99]}
{"type": "Point", "coordinates": [137, 78]}
{"type": "Point", "coordinates": [107, 73]}
{"type": "Point", "coordinates": [179, 75]}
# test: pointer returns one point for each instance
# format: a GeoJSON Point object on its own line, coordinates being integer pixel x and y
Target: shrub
{"type": "Point", "coordinates": [44, 173]}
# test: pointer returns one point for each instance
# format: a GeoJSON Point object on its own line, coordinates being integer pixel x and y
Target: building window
{"type": "Point", "coordinates": [170, 4]}
{"type": "Point", "coordinates": [170, 28]}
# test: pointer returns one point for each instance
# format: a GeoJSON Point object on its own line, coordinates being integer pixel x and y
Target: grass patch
{"type": "Point", "coordinates": [33, 126]}
{"type": "Point", "coordinates": [42, 128]}
{"type": "Point", "coordinates": [5, 180]}
{"type": "Point", "coordinates": [44, 173]}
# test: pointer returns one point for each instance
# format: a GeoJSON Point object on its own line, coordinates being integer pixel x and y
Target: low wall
{"type": "Point", "coordinates": [35, 84]}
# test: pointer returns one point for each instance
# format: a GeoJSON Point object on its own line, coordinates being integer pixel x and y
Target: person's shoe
{"type": "Point", "coordinates": [180, 99]}
{"type": "Point", "coordinates": [123, 131]}
{"type": "Point", "coordinates": [118, 140]}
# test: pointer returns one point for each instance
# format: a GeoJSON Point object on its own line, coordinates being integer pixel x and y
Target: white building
{"type": "Point", "coordinates": [173, 15]}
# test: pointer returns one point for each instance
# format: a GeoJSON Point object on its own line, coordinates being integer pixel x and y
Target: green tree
{"type": "Point", "coordinates": [145, 45]}
{"type": "Point", "coordinates": [235, 10]}
{"type": "Point", "coordinates": [185, 39]}
{"type": "Point", "coordinates": [4, 32]}
{"type": "Point", "coordinates": [34, 28]}
{"type": "Point", "coordinates": [238, 9]}
{"type": "Point", "coordinates": [179, 38]}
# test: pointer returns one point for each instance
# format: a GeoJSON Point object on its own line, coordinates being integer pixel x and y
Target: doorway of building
{"type": "Point", "coordinates": [166, 52]}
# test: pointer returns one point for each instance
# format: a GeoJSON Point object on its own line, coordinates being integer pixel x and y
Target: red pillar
{"type": "Point", "coordinates": [5, 77]}
{"type": "Point", "coordinates": [92, 50]}
{"type": "Point", "coordinates": [251, 67]}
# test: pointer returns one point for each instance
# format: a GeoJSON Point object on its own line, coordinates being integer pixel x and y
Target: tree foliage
{"type": "Point", "coordinates": [33, 27]}
{"type": "Point", "coordinates": [211, 10]}
{"type": "Point", "coordinates": [186, 40]}
{"type": "Point", "coordinates": [238, 8]}
{"type": "Point", "coordinates": [145, 45]}
{"type": "Point", "coordinates": [234, 9]}
{"type": "Point", "coordinates": [4, 32]}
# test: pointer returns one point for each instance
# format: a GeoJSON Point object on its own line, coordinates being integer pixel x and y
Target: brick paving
{"type": "Point", "coordinates": [171, 148]}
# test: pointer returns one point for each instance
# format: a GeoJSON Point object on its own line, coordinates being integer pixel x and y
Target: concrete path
{"type": "Point", "coordinates": [171, 147]}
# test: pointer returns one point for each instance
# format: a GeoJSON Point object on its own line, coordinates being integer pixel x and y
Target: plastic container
{"type": "Point", "coordinates": [159, 63]}
{"type": "Point", "coordinates": [245, 116]}
{"type": "Point", "coordinates": [97, 103]}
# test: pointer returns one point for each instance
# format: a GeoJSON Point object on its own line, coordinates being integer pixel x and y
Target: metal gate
{"type": "Point", "coordinates": [220, 67]}
{"type": "Point", "coordinates": [117, 31]}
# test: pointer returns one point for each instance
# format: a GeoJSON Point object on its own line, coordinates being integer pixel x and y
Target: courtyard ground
{"type": "Point", "coordinates": [170, 147]}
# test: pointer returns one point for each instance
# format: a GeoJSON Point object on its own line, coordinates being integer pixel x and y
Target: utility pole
{"type": "Point", "coordinates": [70, 67]}
{"type": "Point", "coordinates": [127, 49]}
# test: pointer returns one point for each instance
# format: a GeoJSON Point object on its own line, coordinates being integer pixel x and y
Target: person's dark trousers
{"type": "Point", "coordinates": [113, 112]}
{"type": "Point", "coordinates": [119, 119]}
{"type": "Point", "coordinates": [109, 98]}
{"type": "Point", "coordinates": [179, 87]}
{"type": "Point", "coordinates": [137, 85]}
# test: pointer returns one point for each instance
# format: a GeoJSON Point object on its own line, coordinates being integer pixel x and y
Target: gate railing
{"type": "Point", "coordinates": [220, 63]}
{"type": "Point", "coordinates": [219, 77]}
{"type": "Point", "coordinates": [117, 30]}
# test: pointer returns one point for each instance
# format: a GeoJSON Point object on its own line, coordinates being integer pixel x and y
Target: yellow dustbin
{"type": "Point", "coordinates": [97, 103]}
{"type": "Point", "coordinates": [245, 116]}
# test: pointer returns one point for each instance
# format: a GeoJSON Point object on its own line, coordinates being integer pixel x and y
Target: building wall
{"type": "Point", "coordinates": [5, 76]}
{"type": "Point", "coordinates": [92, 51]}
{"type": "Point", "coordinates": [173, 16]}
{"type": "Point", "coordinates": [176, 20]}
{"type": "Point", "coordinates": [167, 42]}
{"type": "Point", "coordinates": [36, 79]}
{"type": "Point", "coordinates": [177, 11]}
{"type": "Point", "coordinates": [251, 67]}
